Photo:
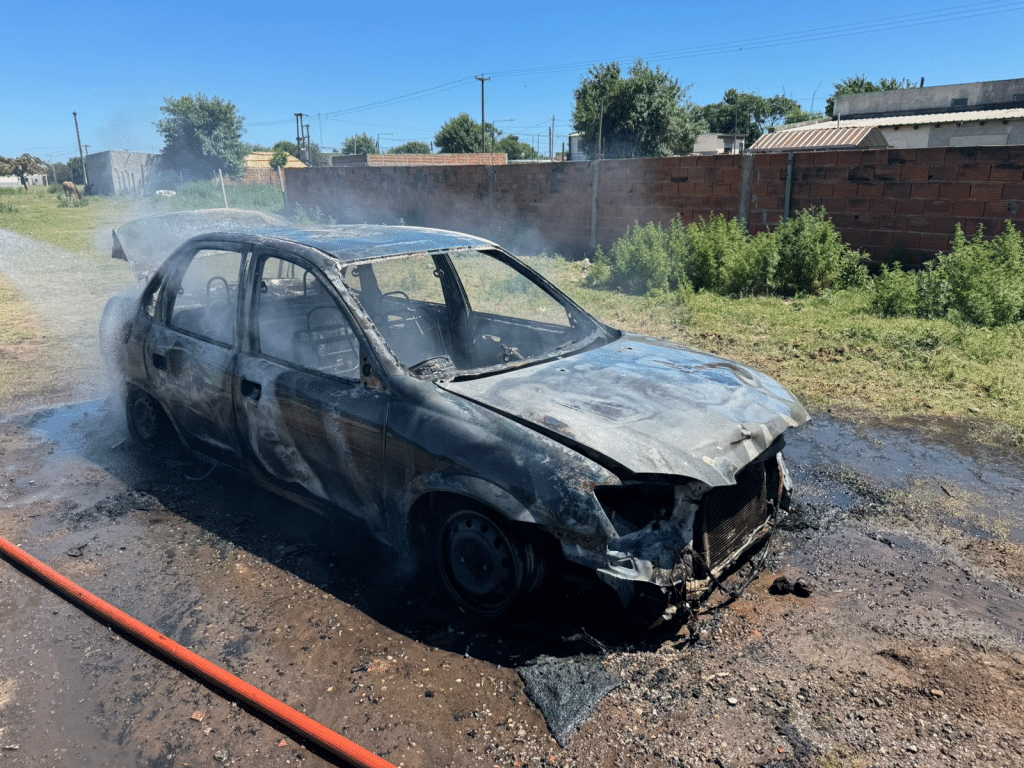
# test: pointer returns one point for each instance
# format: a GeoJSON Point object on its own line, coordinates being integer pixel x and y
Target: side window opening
{"type": "Point", "coordinates": [299, 321]}
{"type": "Point", "coordinates": [205, 301]}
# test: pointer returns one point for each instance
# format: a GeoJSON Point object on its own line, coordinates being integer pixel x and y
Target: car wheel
{"type": "Point", "coordinates": [147, 423]}
{"type": "Point", "coordinates": [483, 564]}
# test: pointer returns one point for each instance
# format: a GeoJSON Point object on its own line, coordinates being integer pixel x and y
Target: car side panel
{"type": "Point", "coordinates": [314, 434]}
{"type": "Point", "coordinates": [438, 442]}
{"type": "Point", "coordinates": [192, 378]}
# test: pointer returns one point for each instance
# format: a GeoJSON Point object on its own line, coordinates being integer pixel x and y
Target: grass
{"type": "Point", "coordinates": [30, 363]}
{"type": "Point", "coordinates": [830, 350]}
{"type": "Point", "coordinates": [834, 353]}
{"type": "Point", "coordinates": [84, 230]}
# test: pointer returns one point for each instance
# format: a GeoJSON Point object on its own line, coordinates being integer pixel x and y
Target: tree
{"type": "Point", "coordinates": [411, 148]}
{"type": "Point", "coordinates": [202, 135]}
{"type": "Point", "coordinates": [288, 146]}
{"type": "Point", "coordinates": [462, 134]}
{"type": "Point", "coordinates": [750, 114]}
{"type": "Point", "coordinates": [860, 84]}
{"type": "Point", "coordinates": [76, 170]}
{"type": "Point", "coordinates": [643, 115]}
{"type": "Point", "coordinates": [361, 144]}
{"type": "Point", "coordinates": [22, 166]}
{"type": "Point", "coordinates": [516, 149]}
{"type": "Point", "coordinates": [279, 159]}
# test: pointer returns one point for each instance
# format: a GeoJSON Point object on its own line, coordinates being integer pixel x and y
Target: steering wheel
{"type": "Point", "coordinates": [209, 289]}
{"type": "Point", "coordinates": [397, 313]}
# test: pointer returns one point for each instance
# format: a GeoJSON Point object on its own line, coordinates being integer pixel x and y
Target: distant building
{"type": "Point", "coordinates": [820, 137]}
{"type": "Point", "coordinates": [34, 180]}
{"type": "Point", "coordinates": [576, 151]}
{"type": "Point", "coordinates": [989, 113]}
{"type": "Point", "coordinates": [440, 158]}
{"type": "Point", "coordinates": [117, 172]}
{"type": "Point", "coordinates": [720, 144]}
{"type": "Point", "coordinates": [258, 170]}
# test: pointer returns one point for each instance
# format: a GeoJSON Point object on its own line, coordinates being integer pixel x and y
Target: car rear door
{"type": "Point", "coordinates": [189, 351]}
{"type": "Point", "coordinates": [307, 421]}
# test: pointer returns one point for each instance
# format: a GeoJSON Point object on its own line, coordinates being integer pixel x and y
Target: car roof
{"type": "Point", "coordinates": [364, 242]}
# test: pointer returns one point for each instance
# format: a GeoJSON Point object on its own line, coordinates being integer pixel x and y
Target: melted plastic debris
{"type": "Point", "coordinates": [567, 690]}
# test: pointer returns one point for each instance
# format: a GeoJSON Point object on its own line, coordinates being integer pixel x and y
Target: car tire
{"type": "Point", "coordinates": [484, 562]}
{"type": "Point", "coordinates": [147, 423]}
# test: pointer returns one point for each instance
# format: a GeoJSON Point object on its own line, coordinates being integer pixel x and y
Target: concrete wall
{"type": "Point", "coordinates": [115, 172]}
{"type": "Point", "coordinates": [939, 98]}
{"type": "Point", "coordinates": [447, 158]}
{"type": "Point", "coordinates": [886, 202]}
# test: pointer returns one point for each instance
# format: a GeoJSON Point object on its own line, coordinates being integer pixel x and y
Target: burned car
{"type": "Point", "coordinates": [443, 392]}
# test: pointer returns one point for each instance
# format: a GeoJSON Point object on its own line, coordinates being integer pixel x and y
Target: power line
{"type": "Point", "coordinates": [902, 21]}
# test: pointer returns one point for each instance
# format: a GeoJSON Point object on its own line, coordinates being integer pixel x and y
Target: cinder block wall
{"type": "Point", "coordinates": [889, 203]}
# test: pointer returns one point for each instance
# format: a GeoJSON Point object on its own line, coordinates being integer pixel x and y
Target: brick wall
{"type": "Point", "coordinates": [892, 202]}
{"type": "Point", "coordinates": [889, 203]}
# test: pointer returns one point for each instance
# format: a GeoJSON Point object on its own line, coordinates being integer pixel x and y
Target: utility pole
{"type": "Point", "coordinates": [81, 156]}
{"type": "Point", "coordinates": [551, 142]}
{"type": "Point", "coordinates": [309, 147]}
{"type": "Point", "coordinates": [298, 134]}
{"type": "Point", "coordinates": [483, 124]}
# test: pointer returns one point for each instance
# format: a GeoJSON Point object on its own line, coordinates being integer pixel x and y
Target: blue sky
{"type": "Point", "coordinates": [399, 70]}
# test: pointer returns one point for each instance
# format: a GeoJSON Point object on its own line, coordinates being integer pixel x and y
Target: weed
{"type": "Point", "coordinates": [65, 202]}
{"type": "Point", "coordinates": [305, 216]}
{"type": "Point", "coordinates": [208, 194]}
{"type": "Point", "coordinates": [979, 282]}
{"type": "Point", "coordinates": [6, 207]}
{"type": "Point", "coordinates": [805, 255]}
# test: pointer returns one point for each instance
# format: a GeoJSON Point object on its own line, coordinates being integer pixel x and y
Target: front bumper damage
{"type": "Point", "coordinates": [681, 556]}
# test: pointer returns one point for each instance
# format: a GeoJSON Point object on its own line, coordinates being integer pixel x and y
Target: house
{"type": "Point", "coordinates": [989, 113]}
{"type": "Point", "coordinates": [258, 170]}
{"type": "Point", "coordinates": [116, 172]}
{"type": "Point", "coordinates": [820, 137]}
{"type": "Point", "coordinates": [719, 144]}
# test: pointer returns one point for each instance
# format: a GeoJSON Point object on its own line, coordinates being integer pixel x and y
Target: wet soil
{"type": "Point", "coordinates": [909, 651]}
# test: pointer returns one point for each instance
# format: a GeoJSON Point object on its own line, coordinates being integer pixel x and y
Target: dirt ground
{"type": "Point", "coordinates": [908, 652]}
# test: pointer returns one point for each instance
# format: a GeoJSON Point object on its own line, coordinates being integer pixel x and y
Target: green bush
{"type": "Point", "coordinates": [894, 292]}
{"type": "Point", "coordinates": [812, 254]}
{"type": "Point", "coordinates": [979, 281]}
{"type": "Point", "coordinates": [751, 271]}
{"type": "Point", "coordinates": [638, 263]}
{"type": "Point", "coordinates": [804, 255]}
{"type": "Point", "coordinates": [712, 247]}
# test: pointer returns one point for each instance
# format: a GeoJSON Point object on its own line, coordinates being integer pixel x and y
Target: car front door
{"type": "Point", "coordinates": [190, 349]}
{"type": "Point", "coordinates": [308, 422]}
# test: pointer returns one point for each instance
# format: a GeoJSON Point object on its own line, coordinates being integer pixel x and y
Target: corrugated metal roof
{"type": "Point", "coordinates": [970, 116]}
{"type": "Point", "coordinates": [821, 137]}
{"type": "Point", "coordinates": [262, 160]}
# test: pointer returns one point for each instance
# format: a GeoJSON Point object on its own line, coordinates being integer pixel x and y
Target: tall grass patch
{"type": "Point", "coordinates": [197, 195]}
{"type": "Point", "coordinates": [804, 255]}
{"type": "Point", "coordinates": [979, 281]}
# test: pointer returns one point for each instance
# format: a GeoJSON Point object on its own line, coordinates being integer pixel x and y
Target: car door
{"type": "Point", "coordinates": [190, 348]}
{"type": "Point", "coordinates": [308, 423]}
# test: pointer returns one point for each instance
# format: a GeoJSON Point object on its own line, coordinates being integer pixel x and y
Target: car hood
{"type": "Point", "coordinates": [145, 243]}
{"type": "Point", "coordinates": [647, 406]}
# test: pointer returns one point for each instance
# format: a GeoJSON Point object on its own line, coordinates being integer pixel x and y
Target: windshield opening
{"type": "Point", "coordinates": [467, 311]}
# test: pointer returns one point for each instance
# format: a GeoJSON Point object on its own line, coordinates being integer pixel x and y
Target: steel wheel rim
{"type": "Point", "coordinates": [145, 419]}
{"type": "Point", "coordinates": [481, 565]}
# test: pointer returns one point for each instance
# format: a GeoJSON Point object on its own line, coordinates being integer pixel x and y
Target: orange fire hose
{"type": "Point", "coordinates": [207, 672]}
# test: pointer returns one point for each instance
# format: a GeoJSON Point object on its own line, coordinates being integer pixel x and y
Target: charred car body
{"type": "Point", "coordinates": [443, 392]}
